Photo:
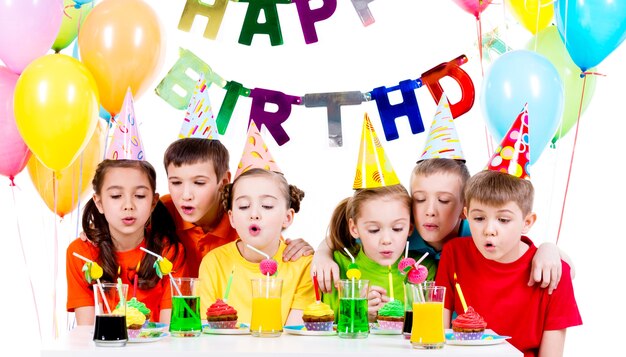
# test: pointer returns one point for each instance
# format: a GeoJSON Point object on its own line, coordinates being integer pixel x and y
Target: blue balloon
{"type": "Point", "coordinates": [591, 30]}
{"type": "Point", "coordinates": [104, 114]}
{"type": "Point", "coordinates": [517, 78]}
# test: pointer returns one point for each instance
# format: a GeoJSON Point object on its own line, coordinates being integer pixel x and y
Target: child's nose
{"type": "Point", "coordinates": [490, 229]}
{"type": "Point", "coordinates": [187, 194]}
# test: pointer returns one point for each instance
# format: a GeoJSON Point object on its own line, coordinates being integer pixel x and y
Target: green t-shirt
{"type": "Point", "coordinates": [377, 275]}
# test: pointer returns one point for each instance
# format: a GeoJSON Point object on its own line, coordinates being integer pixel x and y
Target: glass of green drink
{"type": "Point", "coordinates": [185, 321]}
{"type": "Point", "coordinates": [352, 321]}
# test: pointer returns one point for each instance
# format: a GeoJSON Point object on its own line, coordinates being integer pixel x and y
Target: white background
{"type": "Point", "coordinates": [408, 38]}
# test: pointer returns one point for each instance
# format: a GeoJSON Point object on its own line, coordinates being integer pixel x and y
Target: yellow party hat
{"type": "Point", "coordinates": [373, 167]}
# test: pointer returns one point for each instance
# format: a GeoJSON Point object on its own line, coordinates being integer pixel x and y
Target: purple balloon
{"type": "Point", "coordinates": [14, 153]}
{"type": "Point", "coordinates": [28, 29]}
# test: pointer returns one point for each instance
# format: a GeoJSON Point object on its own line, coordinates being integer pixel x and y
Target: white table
{"type": "Point", "coordinates": [78, 343]}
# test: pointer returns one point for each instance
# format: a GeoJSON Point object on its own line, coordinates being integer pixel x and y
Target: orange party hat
{"type": "Point", "coordinates": [255, 153]}
{"type": "Point", "coordinates": [126, 141]}
{"type": "Point", "coordinates": [443, 140]}
{"type": "Point", "coordinates": [513, 154]}
{"type": "Point", "coordinates": [373, 167]}
{"type": "Point", "coordinates": [199, 121]}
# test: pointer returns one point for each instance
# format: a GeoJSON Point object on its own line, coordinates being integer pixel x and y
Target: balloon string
{"type": "Point", "coordinates": [55, 330]}
{"type": "Point", "coordinates": [30, 279]}
{"type": "Point", "coordinates": [78, 191]}
{"type": "Point", "coordinates": [479, 35]}
{"type": "Point", "coordinates": [65, 12]}
{"type": "Point", "coordinates": [571, 162]}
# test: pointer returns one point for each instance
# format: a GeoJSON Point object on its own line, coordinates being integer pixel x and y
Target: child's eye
{"type": "Point", "coordinates": [504, 220]}
{"type": "Point", "coordinates": [445, 202]}
{"type": "Point", "coordinates": [243, 207]}
{"type": "Point", "coordinates": [267, 206]}
{"type": "Point", "coordinates": [140, 196]}
{"type": "Point", "coordinates": [200, 183]}
{"type": "Point", "coordinates": [175, 183]}
{"type": "Point", "coordinates": [373, 231]}
{"type": "Point", "coordinates": [398, 229]}
{"type": "Point", "coordinates": [478, 219]}
{"type": "Point", "coordinates": [115, 197]}
{"type": "Point", "coordinates": [419, 200]}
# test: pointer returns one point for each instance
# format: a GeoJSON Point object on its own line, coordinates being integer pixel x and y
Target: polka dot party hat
{"type": "Point", "coordinates": [443, 140]}
{"type": "Point", "coordinates": [126, 142]}
{"type": "Point", "coordinates": [199, 121]}
{"type": "Point", "coordinates": [373, 168]}
{"type": "Point", "coordinates": [513, 154]}
{"type": "Point", "coordinates": [255, 153]}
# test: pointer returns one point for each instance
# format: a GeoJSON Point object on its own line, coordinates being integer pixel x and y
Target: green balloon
{"type": "Point", "coordinates": [549, 44]}
{"type": "Point", "coordinates": [73, 18]}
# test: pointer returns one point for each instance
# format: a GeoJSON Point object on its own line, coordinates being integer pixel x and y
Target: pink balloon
{"type": "Point", "coordinates": [14, 153]}
{"type": "Point", "coordinates": [474, 7]}
{"type": "Point", "coordinates": [28, 29]}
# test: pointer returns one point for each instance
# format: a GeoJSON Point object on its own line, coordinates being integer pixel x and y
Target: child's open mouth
{"type": "Point", "coordinates": [254, 230]}
{"type": "Point", "coordinates": [187, 209]}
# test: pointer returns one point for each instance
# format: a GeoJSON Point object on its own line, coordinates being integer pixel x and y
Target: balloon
{"type": "Point", "coordinates": [72, 20]}
{"type": "Point", "coordinates": [593, 29]}
{"type": "Point", "coordinates": [121, 44]}
{"type": "Point", "coordinates": [474, 7]}
{"type": "Point", "coordinates": [72, 182]}
{"type": "Point", "coordinates": [534, 15]}
{"type": "Point", "coordinates": [27, 30]}
{"type": "Point", "coordinates": [56, 109]}
{"type": "Point", "coordinates": [14, 153]}
{"type": "Point", "coordinates": [548, 43]}
{"type": "Point", "coordinates": [79, 3]}
{"type": "Point", "coordinates": [514, 79]}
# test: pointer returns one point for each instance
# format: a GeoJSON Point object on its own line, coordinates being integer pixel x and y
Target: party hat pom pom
{"type": "Point", "coordinates": [268, 266]}
{"type": "Point", "coordinates": [418, 276]}
{"type": "Point", "coordinates": [405, 265]}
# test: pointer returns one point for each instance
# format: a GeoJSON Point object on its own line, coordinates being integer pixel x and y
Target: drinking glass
{"type": "Point", "coordinates": [352, 321]}
{"type": "Point", "coordinates": [266, 318]}
{"type": "Point", "coordinates": [185, 321]}
{"type": "Point", "coordinates": [110, 325]}
{"type": "Point", "coordinates": [427, 330]}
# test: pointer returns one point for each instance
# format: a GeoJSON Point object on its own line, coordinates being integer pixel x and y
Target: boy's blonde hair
{"type": "Point", "coordinates": [350, 208]}
{"type": "Point", "coordinates": [189, 151]}
{"type": "Point", "coordinates": [447, 166]}
{"type": "Point", "coordinates": [496, 189]}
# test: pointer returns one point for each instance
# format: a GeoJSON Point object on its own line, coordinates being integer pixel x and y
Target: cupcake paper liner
{"type": "Point", "coordinates": [319, 326]}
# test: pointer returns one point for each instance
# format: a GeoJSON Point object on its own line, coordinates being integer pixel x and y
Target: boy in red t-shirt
{"type": "Point", "coordinates": [196, 170]}
{"type": "Point", "coordinates": [493, 268]}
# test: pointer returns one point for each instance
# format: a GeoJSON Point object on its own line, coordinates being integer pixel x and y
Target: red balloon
{"type": "Point", "coordinates": [474, 7]}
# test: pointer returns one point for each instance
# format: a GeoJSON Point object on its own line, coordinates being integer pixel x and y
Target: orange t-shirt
{"type": "Point", "coordinates": [80, 293]}
{"type": "Point", "coordinates": [197, 242]}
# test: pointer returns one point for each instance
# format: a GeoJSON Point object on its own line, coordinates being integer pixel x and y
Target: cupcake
{"type": "Point", "coordinates": [133, 302]}
{"type": "Point", "coordinates": [318, 316]}
{"type": "Point", "coordinates": [220, 315]}
{"type": "Point", "coordinates": [469, 326]}
{"type": "Point", "coordinates": [391, 316]}
{"type": "Point", "coordinates": [134, 321]}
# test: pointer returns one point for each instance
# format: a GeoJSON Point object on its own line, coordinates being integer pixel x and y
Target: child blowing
{"type": "Point", "coordinates": [492, 268]}
{"type": "Point", "coordinates": [260, 205]}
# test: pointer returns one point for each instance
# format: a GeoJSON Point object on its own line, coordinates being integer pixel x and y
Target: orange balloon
{"type": "Point", "coordinates": [72, 182]}
{"type": "Point", "coordinates": [122, 44]}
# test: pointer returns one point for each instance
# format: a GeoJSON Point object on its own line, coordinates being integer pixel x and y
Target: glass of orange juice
{"type": "Point", "coordinates": [266, 319]}
{"type": "Point", "coordinates": [427, 330]}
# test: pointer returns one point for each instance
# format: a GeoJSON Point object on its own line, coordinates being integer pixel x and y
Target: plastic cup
{"type": "Point", "coordinates": [267, 318]}
{"type": "Point", "coordinates": [427, 330]}
{"type": "Point", "coordinates": [185, 321]}
{"type": "Point", "coordinates": [352, 321]}
{"type": "Point", "coordinates": [110, 326]}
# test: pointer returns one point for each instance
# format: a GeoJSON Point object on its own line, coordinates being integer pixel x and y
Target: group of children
{"type": "Point", "coordinates": [207, 225]}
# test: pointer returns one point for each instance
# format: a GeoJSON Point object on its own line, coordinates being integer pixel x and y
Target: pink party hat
{"type": "Point", "coordinates": [443, 140]}
{"type": "Point", "coordinates": [199, 121]}
{"type": "Point", "coordinates": [255, 153]}
{"type": "Point", "coordinates": [126, 142]}
{"type": "Point", "coordinates": [513, 154]}
{"type": "Point", "coordinates": [373, 167]}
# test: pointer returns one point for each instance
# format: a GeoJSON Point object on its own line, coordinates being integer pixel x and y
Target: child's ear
{"type": "Point", "coordinates": [464, 213]}
{"type": "Point", "coordinates": [230, 218]}
{"type": "Point", "coordinates": [225, 179]}
{"type": "Point", "coordinates": [288, 218]}
{"type": "Point", "coordinates": [529, 220]}
{"type": "Point", "coordinates": [353, 229]}
{"type": "Point", "coordinates": [98, 202]}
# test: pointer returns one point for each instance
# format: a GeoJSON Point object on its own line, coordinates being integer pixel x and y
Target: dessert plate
{"type": "Point", "coordinates": [154, 326]}
{"type": "Point", "coordinates": [376, 330]}
{"type": "Point", "coordinates": [242, 330]}
{"type": "Point", "coordinates": [489, 338]}
{"type": "Point", "coordinates": [300, 330]}
{"type": "Point", "coordinates": [148, 336]}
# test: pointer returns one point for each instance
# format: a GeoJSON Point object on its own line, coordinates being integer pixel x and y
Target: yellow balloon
{"type": "Point", "coordinates": [72, 19]}
{"type": "Point", "coordinates": [72, 183]}
{"type": "Point", "coordinates": [534, 15]}
{"type": "Point", "coordinates": [56, 109]}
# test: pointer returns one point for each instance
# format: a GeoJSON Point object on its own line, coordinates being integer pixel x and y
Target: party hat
{"type": "Point", "coordinates": [255, 153]}
{"type": "Point", "coordinates": [443, 140]}
{"type": "Point", "coordinates": [513, 154]}
{"type": "Point", "coordinates": [373, 168]}
{"type": "Point", "coordinates": [199, 121]}
{"type": "Point", "coordinates": [126, 142]}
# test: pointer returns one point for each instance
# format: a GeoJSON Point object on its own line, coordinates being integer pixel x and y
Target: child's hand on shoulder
{"type": "Point", "coordinates": [296, 249]}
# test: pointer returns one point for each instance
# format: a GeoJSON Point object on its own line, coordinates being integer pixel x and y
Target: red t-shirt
{"type": "Point", "coordinates": [500, 293]}
{"type": "Point", "coordinates": [80, 293]}
{"type": "Point", "coordinates": [198, 243]}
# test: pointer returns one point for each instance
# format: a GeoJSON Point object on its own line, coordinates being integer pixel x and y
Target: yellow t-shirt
{"type": "Point", "coordinates": [217, 265]}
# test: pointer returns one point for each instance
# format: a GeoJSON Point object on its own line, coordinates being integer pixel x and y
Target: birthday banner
{"type": "Point", "coordinates": [271, 27]}
{"type": "Point", "coordinates": [333, 101]}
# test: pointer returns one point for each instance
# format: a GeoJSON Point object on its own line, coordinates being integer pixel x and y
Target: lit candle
{"type": "Point", "coordinates": [460, 292]}
{"type": "Point", "coordinates": [390, 284]}
{"type": "Point", "coordinates": [135, 279]}
{"type": "Point", "coordinates": [316, 287]}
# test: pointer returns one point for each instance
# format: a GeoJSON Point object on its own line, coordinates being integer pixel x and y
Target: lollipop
{"type": "Point", "coordinates": [417, 275]}
{"type": "Point", "coordinates": [405, 265]}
